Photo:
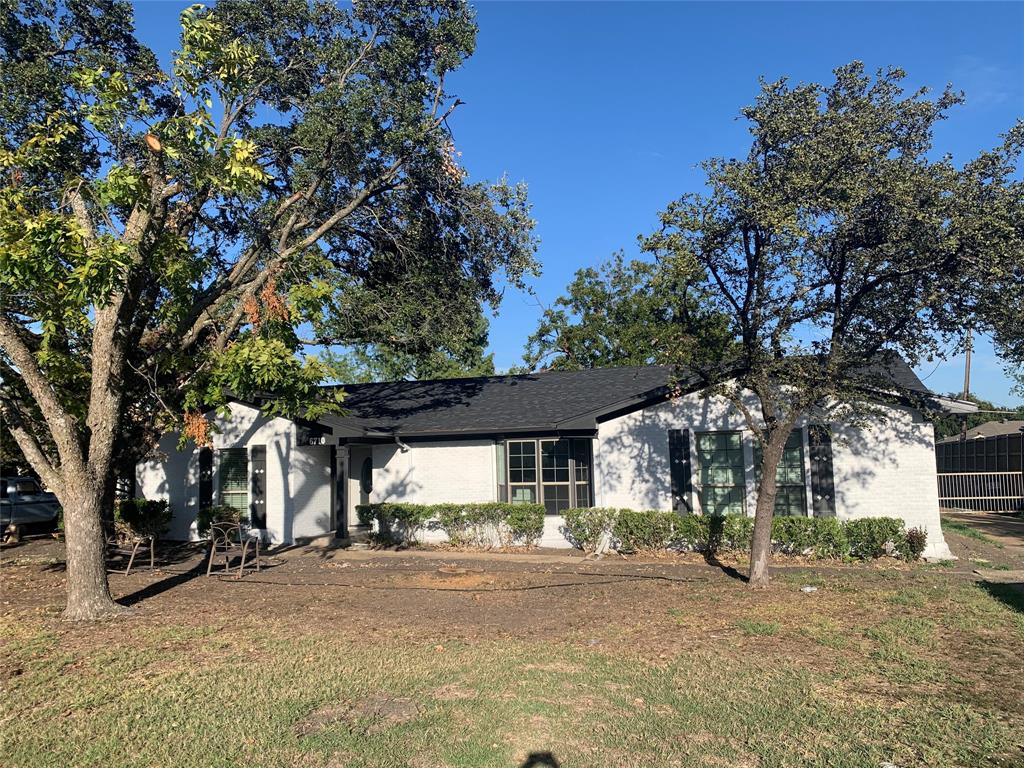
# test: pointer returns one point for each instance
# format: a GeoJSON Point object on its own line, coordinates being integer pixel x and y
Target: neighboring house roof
{"type": "Point", "coordinates": [535, 402]}
{"type": "Point", "coordinates": [990, 429]}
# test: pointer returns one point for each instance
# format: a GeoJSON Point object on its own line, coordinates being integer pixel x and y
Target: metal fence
{"type": "Point", "coordinates": [982, 491]}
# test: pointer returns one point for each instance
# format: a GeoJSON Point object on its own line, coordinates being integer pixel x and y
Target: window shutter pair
{"type": "Point", "coordinates": [823, 493]}
{"type": "Point", "coordinates": [234, 466]}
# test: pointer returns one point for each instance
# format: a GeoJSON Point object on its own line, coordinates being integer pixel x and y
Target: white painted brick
{"type": "Point", "coordinates": [297, 482]}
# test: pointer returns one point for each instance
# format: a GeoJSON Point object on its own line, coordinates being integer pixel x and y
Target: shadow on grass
{"type": "Point", "coordinates": [712, 559]}
{"type": "Point", "coordinates": [164, 585]}
{"type": "Point", "coordinates": [540, 760]}
{"type": "Point", "coordinates": [197, 570]}
{"type": "Point", "coordinates": [1009, 594]}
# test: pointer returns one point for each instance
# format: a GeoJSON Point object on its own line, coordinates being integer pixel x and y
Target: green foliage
{"type": "Point", "coordinates": [830, 539]}
{"type": "Point", "coordinates": [625, 313]}
{"type": "Point", "coordinates": [459, 356]}
{"type": "Point", "coordinates": [146, 517]}
{"type": "Point", "coordinates": [291, 168]}
{"type": "Point", "coordinates": [644, 530]}
{"type": "Point", "coordinates": [868, 537]}
{"type": "Point", "coordinates": [218, 513]}
{"type": "Point", "coordinates": [481, 524]}
{"type": "Point", "coordinates": [844, 218]}
{"type": "Point", "coordinates": [820, 537]}
{"type": "Point", "coordinates": [587, 526]}
{"type": "Point", "coordinates": [396, 522]}
{"type": "Point", "coordinates": [525, 522]}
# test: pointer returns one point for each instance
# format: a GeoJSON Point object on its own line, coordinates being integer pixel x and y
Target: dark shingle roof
{"type": "Point", "coordinates": [535, 402]}
{"type": "Point", "coordinates": [530, 402]}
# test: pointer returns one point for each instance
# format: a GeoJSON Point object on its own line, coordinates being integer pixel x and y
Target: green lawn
{"type": "Point", "coordinates": [919, 672]}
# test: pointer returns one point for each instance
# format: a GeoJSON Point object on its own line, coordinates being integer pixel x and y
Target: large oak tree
{"type": "Point", "coordinates": [170, 234]}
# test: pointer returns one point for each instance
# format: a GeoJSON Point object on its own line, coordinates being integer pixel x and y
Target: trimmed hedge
{"type": "Point", "coordinates": [482, 524]}
{"type": "Point", "coordinates": [821, 537]}
{"type": "Point", "coordinates": [147, 517]}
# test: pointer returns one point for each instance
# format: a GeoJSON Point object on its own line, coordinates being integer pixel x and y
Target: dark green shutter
{"type": "Point", "coordinates": [258, 485]}
{"type": "Point", "coordinates": [823, 489]}
{"type": "Point", "coordinates": [205, 478]}
{"type": "Point", "coordinates": [679, 470]}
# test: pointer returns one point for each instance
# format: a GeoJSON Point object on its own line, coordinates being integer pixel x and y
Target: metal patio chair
{"type": "Point", "coordinates": [228, 539]}
{"type": "Point", "coordinates": [125, 542]}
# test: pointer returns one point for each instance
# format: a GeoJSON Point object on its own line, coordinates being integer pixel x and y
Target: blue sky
{"type": "Point", "coordinates": [605, 109]}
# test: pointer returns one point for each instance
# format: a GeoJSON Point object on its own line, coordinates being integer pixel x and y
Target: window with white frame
{"type": "Point", "coordinates": [552, 471]}
{"type": "Point", "coordinates": [522, 471]}
{"type": "Point", "coordinates": [233, 468]}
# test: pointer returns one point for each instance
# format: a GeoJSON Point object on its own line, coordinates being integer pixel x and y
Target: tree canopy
{"type": "Point", "coordinates": [464, 356]}
{"type": "Point", "coordinates": [171, 235]}
{"type": "Point", "coordinates": [626, 313]}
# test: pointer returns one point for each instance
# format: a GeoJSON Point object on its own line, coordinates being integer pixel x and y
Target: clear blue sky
{"type": "Point", "coordinates": [605, 109]}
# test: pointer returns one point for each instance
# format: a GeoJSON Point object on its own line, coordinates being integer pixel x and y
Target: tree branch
{"type": "Point", "coordinates": [59, 422]}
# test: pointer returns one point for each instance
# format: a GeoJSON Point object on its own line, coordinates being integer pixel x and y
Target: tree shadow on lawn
{"type": "Point", "coordinates": [198, 569]}
{"type": "Point", "coordinates": [540, 760]}
{"type": "Point", "coordinates": [1010, 594]}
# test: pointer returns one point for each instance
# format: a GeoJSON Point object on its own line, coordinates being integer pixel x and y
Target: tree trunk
{"type": "Point", "coordinates": [87, 589]}
{"type": "Point", "coordinates": [761, 542]}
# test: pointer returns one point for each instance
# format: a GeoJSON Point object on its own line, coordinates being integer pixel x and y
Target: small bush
{"type": "Point", "coordinates": [145, 517]}
{"type": "Point", "coordinates": [795, 534]}
{"type": "Point", "coordinates": [870, 537]}
{"type": "Point", "coordinates": [396, 522]}
{"type": "Point", "coordinates": [587, 526]}
{"type": "Point", "coordinates": [693, 532]}
{"type": "Point", "coordinates": [525, 523]}
{"type": "Point", "coordinates": [830, 540]}
{"type": "Point", "coordinates": [219, 513]}
{"type": "Point", "coordinates": [737, 532]}
{"type": "Point", "coordinates": [364, 514]}
{"type": "Point", "coordinates": [914, 543]}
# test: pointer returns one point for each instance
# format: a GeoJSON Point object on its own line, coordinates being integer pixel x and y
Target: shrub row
{"type": "Point", "coordinates": [484, 524]}
{"type": "Point", "coordinates": [863, 539]}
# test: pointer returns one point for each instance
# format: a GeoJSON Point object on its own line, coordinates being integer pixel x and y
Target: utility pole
{"type": "Point", "coordinates": [967, 363]}
{"type": "Point", "coordinates": [967, 380]}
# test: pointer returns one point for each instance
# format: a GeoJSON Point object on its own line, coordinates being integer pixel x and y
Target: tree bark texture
{"type": "Point", "coordinates": [761, 542]}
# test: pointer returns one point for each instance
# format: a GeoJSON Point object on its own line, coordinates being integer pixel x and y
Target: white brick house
{"type": "Point", "coordinates": [608, 437]}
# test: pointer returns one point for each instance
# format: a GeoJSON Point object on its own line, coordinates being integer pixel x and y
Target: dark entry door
{"type": "Point", "coordinates": [338, 476]}
{"type": "Point", "coordinates": [258, 486]}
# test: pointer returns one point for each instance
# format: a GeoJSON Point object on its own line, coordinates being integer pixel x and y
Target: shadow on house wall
{"type": "Point", "coordinates": [635, 454]}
